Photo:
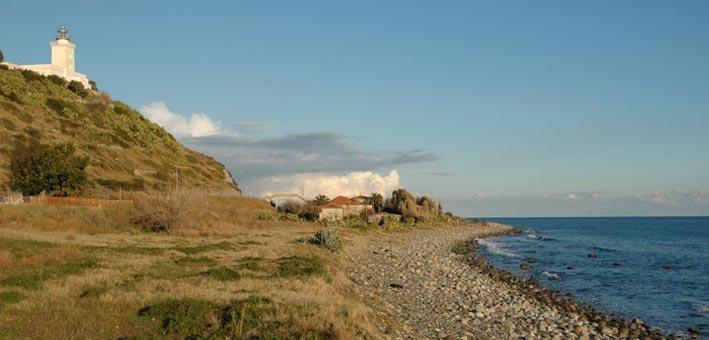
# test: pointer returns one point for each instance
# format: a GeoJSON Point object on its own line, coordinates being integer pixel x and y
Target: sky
{"type": "Point", "coordinates": [495, 108]}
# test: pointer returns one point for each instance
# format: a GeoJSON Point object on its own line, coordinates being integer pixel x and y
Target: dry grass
{"type": "Point", "coordinates": [85, 220]}
{"type": "Point", "coordinates": [7, 260]}
{"type": "Point", "coordinates": [223, 255]}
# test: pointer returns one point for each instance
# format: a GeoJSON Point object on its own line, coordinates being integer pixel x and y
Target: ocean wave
{"type": "Point", "coordinates": [497, 249]}
{"type": "Point", "coordinates": [534, 235]}
{"type": "Point", "coordinates": [551, 275]}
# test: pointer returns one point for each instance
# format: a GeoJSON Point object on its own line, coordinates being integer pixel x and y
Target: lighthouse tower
{"type": "Point", "coordinates": [63, 53]}
{"type": "Point", "coordinates": [63, 63]}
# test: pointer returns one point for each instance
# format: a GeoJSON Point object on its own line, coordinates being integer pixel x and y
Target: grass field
{"type": "Point", "coordinates": [76, 272]}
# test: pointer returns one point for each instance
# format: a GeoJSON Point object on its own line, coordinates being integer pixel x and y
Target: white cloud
{"type": "Point", "coordinates": [197, 125]}
{"type": "Point", "coordinates": [678, 202]}
{"type": "Point", "coordinates": [350, 184]}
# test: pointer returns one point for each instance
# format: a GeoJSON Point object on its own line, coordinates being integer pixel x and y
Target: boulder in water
{"type": "Point", "coordinates": [592, 255]}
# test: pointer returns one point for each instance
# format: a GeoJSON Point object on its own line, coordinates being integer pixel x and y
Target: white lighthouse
{"type": "Point", "coordinates": [63, 61]}
{"type": "Point", "coordinates": [63, 52]}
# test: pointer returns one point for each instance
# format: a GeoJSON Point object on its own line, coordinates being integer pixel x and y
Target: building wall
{"type": "Point", "coordinates": [332, 214]}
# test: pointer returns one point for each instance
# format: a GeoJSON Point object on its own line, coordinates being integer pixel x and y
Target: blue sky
{"type": "Point", "coordinates": [501, 108]}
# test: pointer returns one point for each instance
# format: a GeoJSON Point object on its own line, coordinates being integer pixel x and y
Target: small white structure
{"type": "Point", "coordinates": [279, 200]}
{"type": "Point", "coordinates": [63, 62]}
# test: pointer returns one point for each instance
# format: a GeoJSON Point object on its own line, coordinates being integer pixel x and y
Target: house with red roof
{"type": "Point", "coordinates": [341, 207]}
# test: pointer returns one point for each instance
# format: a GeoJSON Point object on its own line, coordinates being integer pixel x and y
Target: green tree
{"type": "Point", "coordinates": [320, 200]}
{"type": "Point", "coordinates": [377, 202]}
{"type": "Point", "coordinates": [54, 169]}
{"type": "Point", "coordinates": [2, 57]}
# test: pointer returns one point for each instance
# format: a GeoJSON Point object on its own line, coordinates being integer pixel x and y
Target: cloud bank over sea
{"type": "Point", "coordinates": [310, 163]}
{"type": "Point", "coordinates": [675, 202]}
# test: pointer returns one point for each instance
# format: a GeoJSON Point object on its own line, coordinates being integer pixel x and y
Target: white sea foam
{"type": "Point", "coordinates": [551, 275]}
{"type": "Point", "coordinates": [534, 236]}
{"type": "Point", "coordinates": [497, 248]}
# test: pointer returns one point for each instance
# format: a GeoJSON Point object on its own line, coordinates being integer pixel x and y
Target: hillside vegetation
{"type": "Point", "coordinates": [125, 150]}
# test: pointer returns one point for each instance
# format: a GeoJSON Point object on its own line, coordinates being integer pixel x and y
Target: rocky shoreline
{"type": "Point", "coordinates": [431, 283]}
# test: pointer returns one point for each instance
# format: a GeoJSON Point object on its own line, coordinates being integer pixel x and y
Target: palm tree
{"type": "Point", "coordinates": [320, 200]}
{"type": "Point", "coordinates": [377, 201]}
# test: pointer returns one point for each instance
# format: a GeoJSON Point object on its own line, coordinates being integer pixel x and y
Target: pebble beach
{"type": "Point", "coordinates": [432, 284]}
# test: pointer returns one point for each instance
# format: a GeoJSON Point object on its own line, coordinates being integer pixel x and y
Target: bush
{"type": "Point", "coordinates": [310, 212]}
{"type": "Point", "coordinates": [93, 85]}
{"type": "Point", "coordinates": [159, 212]}
{"type": "Point", "coordinates": [78, 88]}
{"type": "Point", "coordinates": [411, 208]}
{"type": "Point", "coordinates": [328, 239]}
{"type": "Point", "coordinates": [53, 169]}
{"type": "Point", "coordinates": [290, 208]}
{"type": "Point", "coordinates": [2, 57]}
{"type": "Point", "coordinates": [278, 216]}
{"type": "Point", "coordinates": [292, 211]}
{"type": "Point", "coordinates": [57, 80]}
{"type": "Point", "coordinates": [31, 75]}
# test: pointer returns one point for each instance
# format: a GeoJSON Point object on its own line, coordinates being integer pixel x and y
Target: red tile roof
{"type": "Point", "coordinates": [339, 202]}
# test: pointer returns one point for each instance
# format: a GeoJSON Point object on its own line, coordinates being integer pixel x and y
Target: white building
{"type": "Point", "coordinates": [63, 62]}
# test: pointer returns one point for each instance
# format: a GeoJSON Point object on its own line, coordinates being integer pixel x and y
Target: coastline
{"type": "Point", "coordinates": [431, 283]}
{"type": "Point", "coordinates": [598, 321]}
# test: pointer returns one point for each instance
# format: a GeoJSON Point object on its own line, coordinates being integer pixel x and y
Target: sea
{"type": "Point", "coordinates": [652, 268]}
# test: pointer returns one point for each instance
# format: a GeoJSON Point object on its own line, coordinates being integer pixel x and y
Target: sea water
{"type": "Point", "coordinates": [653, 268]}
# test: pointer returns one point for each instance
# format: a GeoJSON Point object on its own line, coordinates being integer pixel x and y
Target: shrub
{"type": "Point", "coordinates": [159, 212]}
{"type": "Point", "coordinates": [290, 207]}
{"type": "Point", "coordinates": [93, 85]}
{"type": "Point", "coordinates": [289, 217]}
{"type": "Point", "coordinates": [310, 212]}
{"type": "Point", "coordinates": [31, 75]}
{"type": "Point", "coordinates": [4, 67]}
{"type": "Point", "coordinates": [328, 239]}
{"type": "Point", "coordinates": [2, 57]}
{"type": "Point", "coordinates": [419, 209]}
{"type": "Point", "coordinates": [278, 216]}
{"type": "Point", "coordinates": [54, 169]}
{"type": "Point", "coordinates": [78, 88]}
{"type": "Point", "coordinates": [57, 80]}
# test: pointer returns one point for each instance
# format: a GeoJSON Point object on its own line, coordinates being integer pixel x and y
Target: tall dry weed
{"type": "Point", "coordinates": [163, 212]}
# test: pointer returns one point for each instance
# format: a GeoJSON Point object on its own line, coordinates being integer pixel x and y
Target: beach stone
{"type": "Point", "coordinates": [454, 293]}
{"type": "Point", "coordinates": [580, 330]}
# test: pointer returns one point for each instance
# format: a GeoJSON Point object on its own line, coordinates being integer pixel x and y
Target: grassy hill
{"type": "Point", "coordinates": [126, 150]}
